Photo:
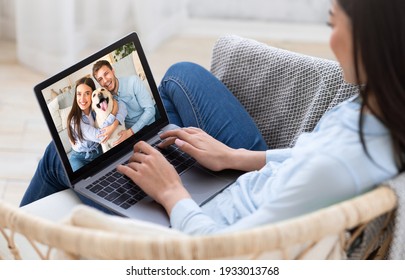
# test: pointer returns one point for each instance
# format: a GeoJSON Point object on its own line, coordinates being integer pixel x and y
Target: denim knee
{"type": "Point", "coordinates": [180, 68]}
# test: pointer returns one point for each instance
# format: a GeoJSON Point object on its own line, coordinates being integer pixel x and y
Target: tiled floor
{"type": "Point", "coordinates": [24, 134]}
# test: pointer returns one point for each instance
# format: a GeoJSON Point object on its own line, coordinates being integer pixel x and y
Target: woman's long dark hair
{"type": "Point", "coordinates": [378, 28]}
{"type": "Point", "coordinates": [75, 115]}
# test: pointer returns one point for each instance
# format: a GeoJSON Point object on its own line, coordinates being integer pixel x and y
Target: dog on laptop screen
{"type": "Point", "coordinates": [102, 104]}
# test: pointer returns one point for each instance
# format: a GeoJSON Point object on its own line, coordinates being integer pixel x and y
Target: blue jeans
{"type": "Point", "coordinates": [78, 160]}
{"type": "Point", "coordinates": [50, 178]}
{"type": "Point", "coordinates": [192, 96]}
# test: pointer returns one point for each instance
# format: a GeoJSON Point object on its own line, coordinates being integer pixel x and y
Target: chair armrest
{"type": "Point", "coordinates": [286, 93]}
{"type": "Point", "coordinates": [296, 238]}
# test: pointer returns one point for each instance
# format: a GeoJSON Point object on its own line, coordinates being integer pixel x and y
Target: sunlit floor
{"type": "Point", "coordinates": [24, 134]}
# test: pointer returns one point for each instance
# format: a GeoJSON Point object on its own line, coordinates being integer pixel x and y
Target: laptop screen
{"type": "Point", "coordinates": [111, 94]}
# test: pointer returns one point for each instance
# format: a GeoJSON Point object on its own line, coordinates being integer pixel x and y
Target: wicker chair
{"type": "Point", "coordinates": [286, 93]}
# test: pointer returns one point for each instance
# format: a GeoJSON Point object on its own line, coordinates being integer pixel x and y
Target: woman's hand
{"type": "Point", "coordinates": [155, 175]}
{"type": "Point", "coordinates": [106, 132]}
{"type": "Point", "coordinates": [123, 135]}
{"type": "Point", "coordinates": [210, 152]}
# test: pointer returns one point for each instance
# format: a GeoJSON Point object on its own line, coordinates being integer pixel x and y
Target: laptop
{"type": "Point", "coordinates": [98, 179]}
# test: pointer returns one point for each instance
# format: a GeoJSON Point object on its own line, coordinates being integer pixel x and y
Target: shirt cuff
{"type": "Point", "coordinates": [108, 121]}
{"type": "Point", "coordinates": [278, 155]}
{"type": "Point", "coordinates": [181, 210]}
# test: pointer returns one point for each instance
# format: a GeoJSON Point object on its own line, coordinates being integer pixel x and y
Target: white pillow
{"type": "Point", "coordinates": [66, 99]}
{"type": "Point", "coordinates": [65, 141]}
{"type": "Point", "coordinates": [64, 115]}
{"type": "Point", "coordinates": [53, 107]}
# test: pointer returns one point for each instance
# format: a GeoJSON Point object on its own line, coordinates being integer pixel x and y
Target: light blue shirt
{"type": "Point", "coordinates": [324, 167]}
{"type": "Point", "coordinates": [139, 102]}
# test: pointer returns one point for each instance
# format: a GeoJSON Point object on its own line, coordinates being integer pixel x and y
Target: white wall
{"type": "Point", "coordinates": [311, 11]}
{"type": "Point", "coordinates": [7, 19]}
{"type": "Point", "coordinates": [51, 35]}
{"type": "Point", "coordinates": [159, 15]}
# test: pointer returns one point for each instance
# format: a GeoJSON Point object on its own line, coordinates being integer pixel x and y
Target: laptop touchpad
{"type": "Point", "coordinates": [203, 185]}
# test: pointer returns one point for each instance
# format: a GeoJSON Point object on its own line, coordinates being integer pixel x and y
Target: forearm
{"type": "Point", "coordinates": [145, 119]}
{"type": "Point", "coordinates": [245, 160]}
{"type": "Point", "coordinates": [169, 197]}
{"type": "Point", "coordinates": [122, 112]}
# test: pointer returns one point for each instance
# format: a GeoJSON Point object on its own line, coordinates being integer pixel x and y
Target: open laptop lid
{"type": "Point", "coordinates": [57, 93]}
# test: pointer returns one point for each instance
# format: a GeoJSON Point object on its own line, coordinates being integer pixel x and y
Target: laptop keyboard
{"type": "Point", "coordinates": [120, 190]}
